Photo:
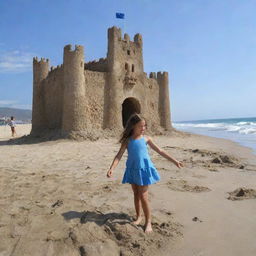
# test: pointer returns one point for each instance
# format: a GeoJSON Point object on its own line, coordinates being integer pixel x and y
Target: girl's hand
{"type": "Point", "coordinates": [179, 164]}
{"type": "Point", "coordinates": [109, 173]}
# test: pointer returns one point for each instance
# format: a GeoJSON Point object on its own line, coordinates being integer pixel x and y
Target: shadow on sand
{"type": "Point", "coordinates": [28, 139]}
{"type": "Point", "coordinates": [98, 217]}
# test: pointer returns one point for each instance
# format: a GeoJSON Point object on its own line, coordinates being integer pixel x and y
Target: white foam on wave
{"type": "Point", "coordinates": [202, 125]}
{"type": "Point", "coordinates": [233, 128]}
{"type": "Point", "coordinates": [239, 127]}
{"type": "Point", "coordinates": [247, 123]}
{"type": "Point", "coordinates": [248, 131]}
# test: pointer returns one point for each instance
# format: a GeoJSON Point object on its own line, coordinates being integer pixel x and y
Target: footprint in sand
{"type": "Point", "coordinates": [197, 219]}
{"type": "Point", "coordinates": [241, 194]}
{"type": "Point", "coordinates": [182, 185]}
{"type": "Point", "coordinates": [58, 203]}
{"type": "Point", "coordinates": [127, 237]}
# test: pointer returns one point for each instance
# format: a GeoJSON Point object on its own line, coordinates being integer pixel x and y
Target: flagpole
{"type": "Point", "coordinates": [120, 15]}
{"type": "Point", "coordinates": [124, 24]}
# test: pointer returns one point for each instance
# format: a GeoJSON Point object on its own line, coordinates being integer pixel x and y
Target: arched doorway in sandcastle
{"type": "Point", "coordinates": [129, 107]}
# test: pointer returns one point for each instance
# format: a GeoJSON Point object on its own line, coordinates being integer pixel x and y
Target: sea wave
{"type": "Point", "coordinates": [239, 127]}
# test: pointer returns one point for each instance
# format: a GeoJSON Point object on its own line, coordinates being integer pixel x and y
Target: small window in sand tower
{"type": "Point", "coordinates": [128, 52]}
{"type": "Point", "coordinates": [132, 67]}
{"type": "Point", "coordinates": [126, 66]}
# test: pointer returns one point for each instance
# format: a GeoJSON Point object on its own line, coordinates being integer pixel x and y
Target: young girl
{"type": "Point", "coordinates": [140, 172]}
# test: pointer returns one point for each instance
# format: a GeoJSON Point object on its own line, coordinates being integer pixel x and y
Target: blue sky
{"type": "Point", "coordinates": [207, 46]}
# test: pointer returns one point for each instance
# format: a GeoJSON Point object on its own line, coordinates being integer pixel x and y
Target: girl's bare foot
{"type": "Point", "coordinates": [137, 221]}
{"type": "Point", "coordinates": [148, 228]}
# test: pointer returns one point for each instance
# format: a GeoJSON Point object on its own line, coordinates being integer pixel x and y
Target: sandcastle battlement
{"type": "Point", "coordinates": [78, 48]}
{"type": "Point", "coordinates": [162, 74]}
{"type": "Point", "coordinates": [42, 60]}
{"type": "Point", "coordinates": [55, 68]}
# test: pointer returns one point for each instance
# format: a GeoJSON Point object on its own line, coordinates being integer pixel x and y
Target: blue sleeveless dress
{"type": "Point", "coordinates": [139, 168]}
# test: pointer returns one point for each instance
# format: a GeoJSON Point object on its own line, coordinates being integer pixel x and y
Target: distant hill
{"type": "Point", "coordinates": [19, 114]}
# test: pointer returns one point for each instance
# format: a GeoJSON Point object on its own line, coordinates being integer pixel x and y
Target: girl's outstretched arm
{"type": "Point", "coordinates": [163, 153]}
{"type": "Point", "coordinates": [116, 159]}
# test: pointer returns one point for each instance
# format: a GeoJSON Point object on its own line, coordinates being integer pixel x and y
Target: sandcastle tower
{"type": "Point", "coordinates": [81, 97]}
{"type": "Point", "coordinates": [74, 93]}
{"type": "Point", "coordinates": [40, 72]}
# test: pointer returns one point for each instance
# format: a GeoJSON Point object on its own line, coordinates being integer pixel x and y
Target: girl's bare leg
{"type": "Point", "coordinates": [137, 204]}
{"type": "Point", "coordinates": [143, 194]}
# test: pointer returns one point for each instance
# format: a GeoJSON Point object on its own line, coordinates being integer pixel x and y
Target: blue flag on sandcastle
{"type": "Point", "coordinates": [119, 15]}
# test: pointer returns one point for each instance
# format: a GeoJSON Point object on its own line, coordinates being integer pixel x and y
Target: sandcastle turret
{"type": "Point", "coordinates": [74, 97]}
{"type": "Point", "coordinates": [164, 102]}
{"type": "Point", "coordinates": [114, 39]}
{"type": "Point", "coordinates": [112, 92]}
{"type": "Point", "coordinates": [125, 61]}
{"type": "Point", "coordinates": [40, 72]}
{"type": "Point", "coordinates": [139, 52]}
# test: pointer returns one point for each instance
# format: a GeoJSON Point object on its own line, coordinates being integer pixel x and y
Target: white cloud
{"type": "Point", "coordinates": [7, 102]}
{"type": "Point", "coordinates": [14, 104]}
{"type": "Point", "coordinates": [15, 61]}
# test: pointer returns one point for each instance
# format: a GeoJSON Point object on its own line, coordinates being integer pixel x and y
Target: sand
{"type": "Point", "coordinates": [21, 130]}
{"type": "Point", "coordinates": [55, 199]}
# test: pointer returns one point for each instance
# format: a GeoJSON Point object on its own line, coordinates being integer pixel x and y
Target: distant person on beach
{"type": "Point", "coordinates": [140, 172]}
{"type": "Point", "coordinates": [13, 126]}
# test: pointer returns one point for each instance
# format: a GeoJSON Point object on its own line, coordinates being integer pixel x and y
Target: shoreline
{"type": "Point", "coordinates": [61, 201]}
{"type": "Point", "coordinates": [235, 143]}
{"type": "Point", "coordinates": [238, 132]}
{"type": "Point", "coordinates": [241, 143]}
{"type": "Point", "coordinates": [24, 129]}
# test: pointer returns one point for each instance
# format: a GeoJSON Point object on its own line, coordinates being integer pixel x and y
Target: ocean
{"type": "Point", "coordinates": [3, 122]}
{"type": "Point", "coordinates": [241, 130]}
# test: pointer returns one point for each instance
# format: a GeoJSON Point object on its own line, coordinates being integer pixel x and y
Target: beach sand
{"type": "Point", "coordinates": [55, 199]}
{"type": "Point", "coordinates": [21, 130]}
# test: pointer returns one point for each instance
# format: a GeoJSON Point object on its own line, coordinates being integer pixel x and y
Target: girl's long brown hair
{"type": "Point", "coordinates": [128, 130]}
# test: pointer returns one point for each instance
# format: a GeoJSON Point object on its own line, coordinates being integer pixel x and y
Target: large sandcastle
{"type": "Point", "coordinates": [82, 98]}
